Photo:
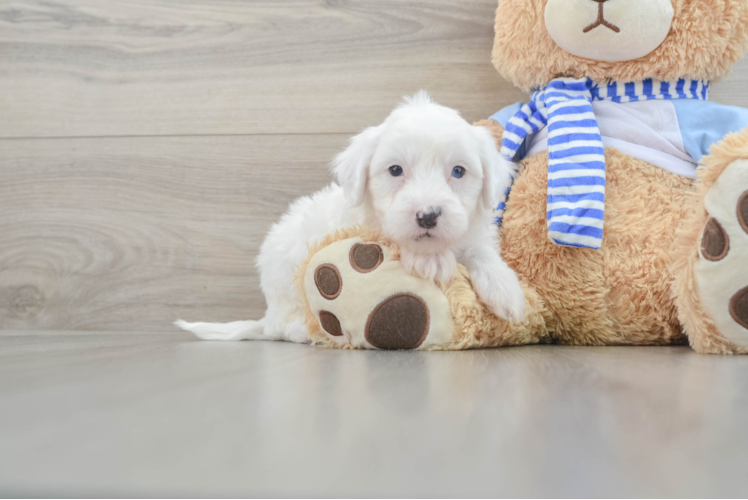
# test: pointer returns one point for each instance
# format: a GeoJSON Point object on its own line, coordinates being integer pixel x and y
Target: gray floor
{"type": "Point", "coordinates": [131, 414]}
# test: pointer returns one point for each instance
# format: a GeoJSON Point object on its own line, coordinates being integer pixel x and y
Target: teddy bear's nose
{"type": "Point", "coordinates": [601, 19]}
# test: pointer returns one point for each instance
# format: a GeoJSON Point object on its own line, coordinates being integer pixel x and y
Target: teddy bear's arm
{"type": "Point", "coordinates": [358, 295]}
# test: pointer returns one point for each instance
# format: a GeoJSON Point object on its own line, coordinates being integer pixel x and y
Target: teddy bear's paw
{"type": "Point", "coordinates": [361, 296]}
{"type": "Point", "coordinates": [722, 270]}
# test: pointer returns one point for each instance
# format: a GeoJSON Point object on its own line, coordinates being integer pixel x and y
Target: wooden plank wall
{"type": "Point", "coordinates": [147, 145]}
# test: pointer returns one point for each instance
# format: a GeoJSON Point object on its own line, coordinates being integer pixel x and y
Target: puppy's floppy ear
{"type": "Point", "coordinates": [498, 172]}
{"type": "Point", "coordinates": [351, 167]}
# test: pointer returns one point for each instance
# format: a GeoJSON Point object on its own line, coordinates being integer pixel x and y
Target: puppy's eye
{"type": "Point", "coordinates": [396, 170]}
{"type": "Point", "coordinates": [458, 172]}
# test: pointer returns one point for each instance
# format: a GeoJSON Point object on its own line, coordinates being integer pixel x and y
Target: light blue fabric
{"type": "Point", "coordinates": [507, 113]}
{"type": "Point", "coordinates": [704, 123]}
{"type": "Point", "coordinates": [503, 118]}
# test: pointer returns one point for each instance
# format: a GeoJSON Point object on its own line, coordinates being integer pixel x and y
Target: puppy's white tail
{"type": "Point", "coordinates": [237, 330]}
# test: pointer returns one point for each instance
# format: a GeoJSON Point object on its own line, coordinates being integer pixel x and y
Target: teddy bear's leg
{"type": "Point", "coordinates": [359, 295]}
{"type": "Point", "coordinates": [711, 254]}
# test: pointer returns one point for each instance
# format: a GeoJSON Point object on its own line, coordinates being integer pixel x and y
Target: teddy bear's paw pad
{"type": "Point", "coordinates": [365, 258]}
{"type": "Point", "coordinates": [330, 323]}
{"type": "Point", "coordinates": [363, 297]}
{"type": "Point", "coordinates": [400, 322]}
{"type": "Point", "coordinates": [743, 211]}
{"type": "Point", "coordinates": [328, 281]}
{"type": "Point", "coordinates": [715, 243]}
{"type": "Point", "coordinates": [722, 270]}
{"type": "Point", "coordinates": [739, 307]}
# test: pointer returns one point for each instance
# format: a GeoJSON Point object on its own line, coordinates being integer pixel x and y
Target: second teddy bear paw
{"type": "Point", "coordinates": [361, 296]}
{"type": "Point", "coordinates": [722, 272]}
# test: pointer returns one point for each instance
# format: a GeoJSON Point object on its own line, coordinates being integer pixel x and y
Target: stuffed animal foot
{"type": "Point", "coordinates": [717, 284]}
{"type": "Point", "coordinates": [357, 294]}
{"type": "Point", "coordinates": [361, 298]}
{"type": "Point", "coordinates": [722, 271]}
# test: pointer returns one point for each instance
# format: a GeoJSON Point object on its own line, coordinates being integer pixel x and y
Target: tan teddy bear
{"type": "Point", "coordinates": [615, 233]}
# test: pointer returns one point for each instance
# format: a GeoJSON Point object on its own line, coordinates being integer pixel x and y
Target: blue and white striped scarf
{"type": "Point", "coordinates": [576, 157]}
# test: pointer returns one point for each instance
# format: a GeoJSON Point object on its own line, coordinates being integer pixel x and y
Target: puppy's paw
{"type": "Point", "coordinates": [501, 292]}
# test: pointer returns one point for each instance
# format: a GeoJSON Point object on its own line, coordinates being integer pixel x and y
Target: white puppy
{"type": "Point", "coordinates": [426, 179]}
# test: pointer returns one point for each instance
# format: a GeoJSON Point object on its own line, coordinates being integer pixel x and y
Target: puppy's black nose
{"type": "Point", "coordinates": [427, 220]}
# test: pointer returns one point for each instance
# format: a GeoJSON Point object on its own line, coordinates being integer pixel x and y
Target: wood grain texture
{"type": "Point", "coordinates": [733, 90]}
{"type": "Point", "coordinates": [147, 145]}
{"type": "Point", "coordinates": [114, 233]}
{"type": "Point", "coordinates": [169, 67]}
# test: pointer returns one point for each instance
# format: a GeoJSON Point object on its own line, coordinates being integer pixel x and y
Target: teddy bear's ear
{"type": "Point", "coordinates": [351, 167]}
{"type": "Point", "coordinates": [497, 170]}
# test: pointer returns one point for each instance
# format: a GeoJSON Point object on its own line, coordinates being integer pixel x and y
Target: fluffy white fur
{"type": "Point", "coordinates": [427, 142]}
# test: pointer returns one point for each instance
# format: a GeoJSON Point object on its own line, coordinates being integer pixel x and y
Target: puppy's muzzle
{"type": "Point", "coordinates": [427, 220]}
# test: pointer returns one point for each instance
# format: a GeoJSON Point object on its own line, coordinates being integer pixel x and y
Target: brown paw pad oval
{"type": "Point", "coordinates": [328, 281]}
{"type": "Point", "coordinates": [739, 307]}
{"type": "Point", "coordinates": [743, 211]}
{"type": "Point", "coordinates": [399, 322]}
{"type": "Point", "coordinates": [330, 323]}
{"type": "Point", "coordinates": [714, 242]}
{"type": "Point", "coordinates": [365, 258]}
